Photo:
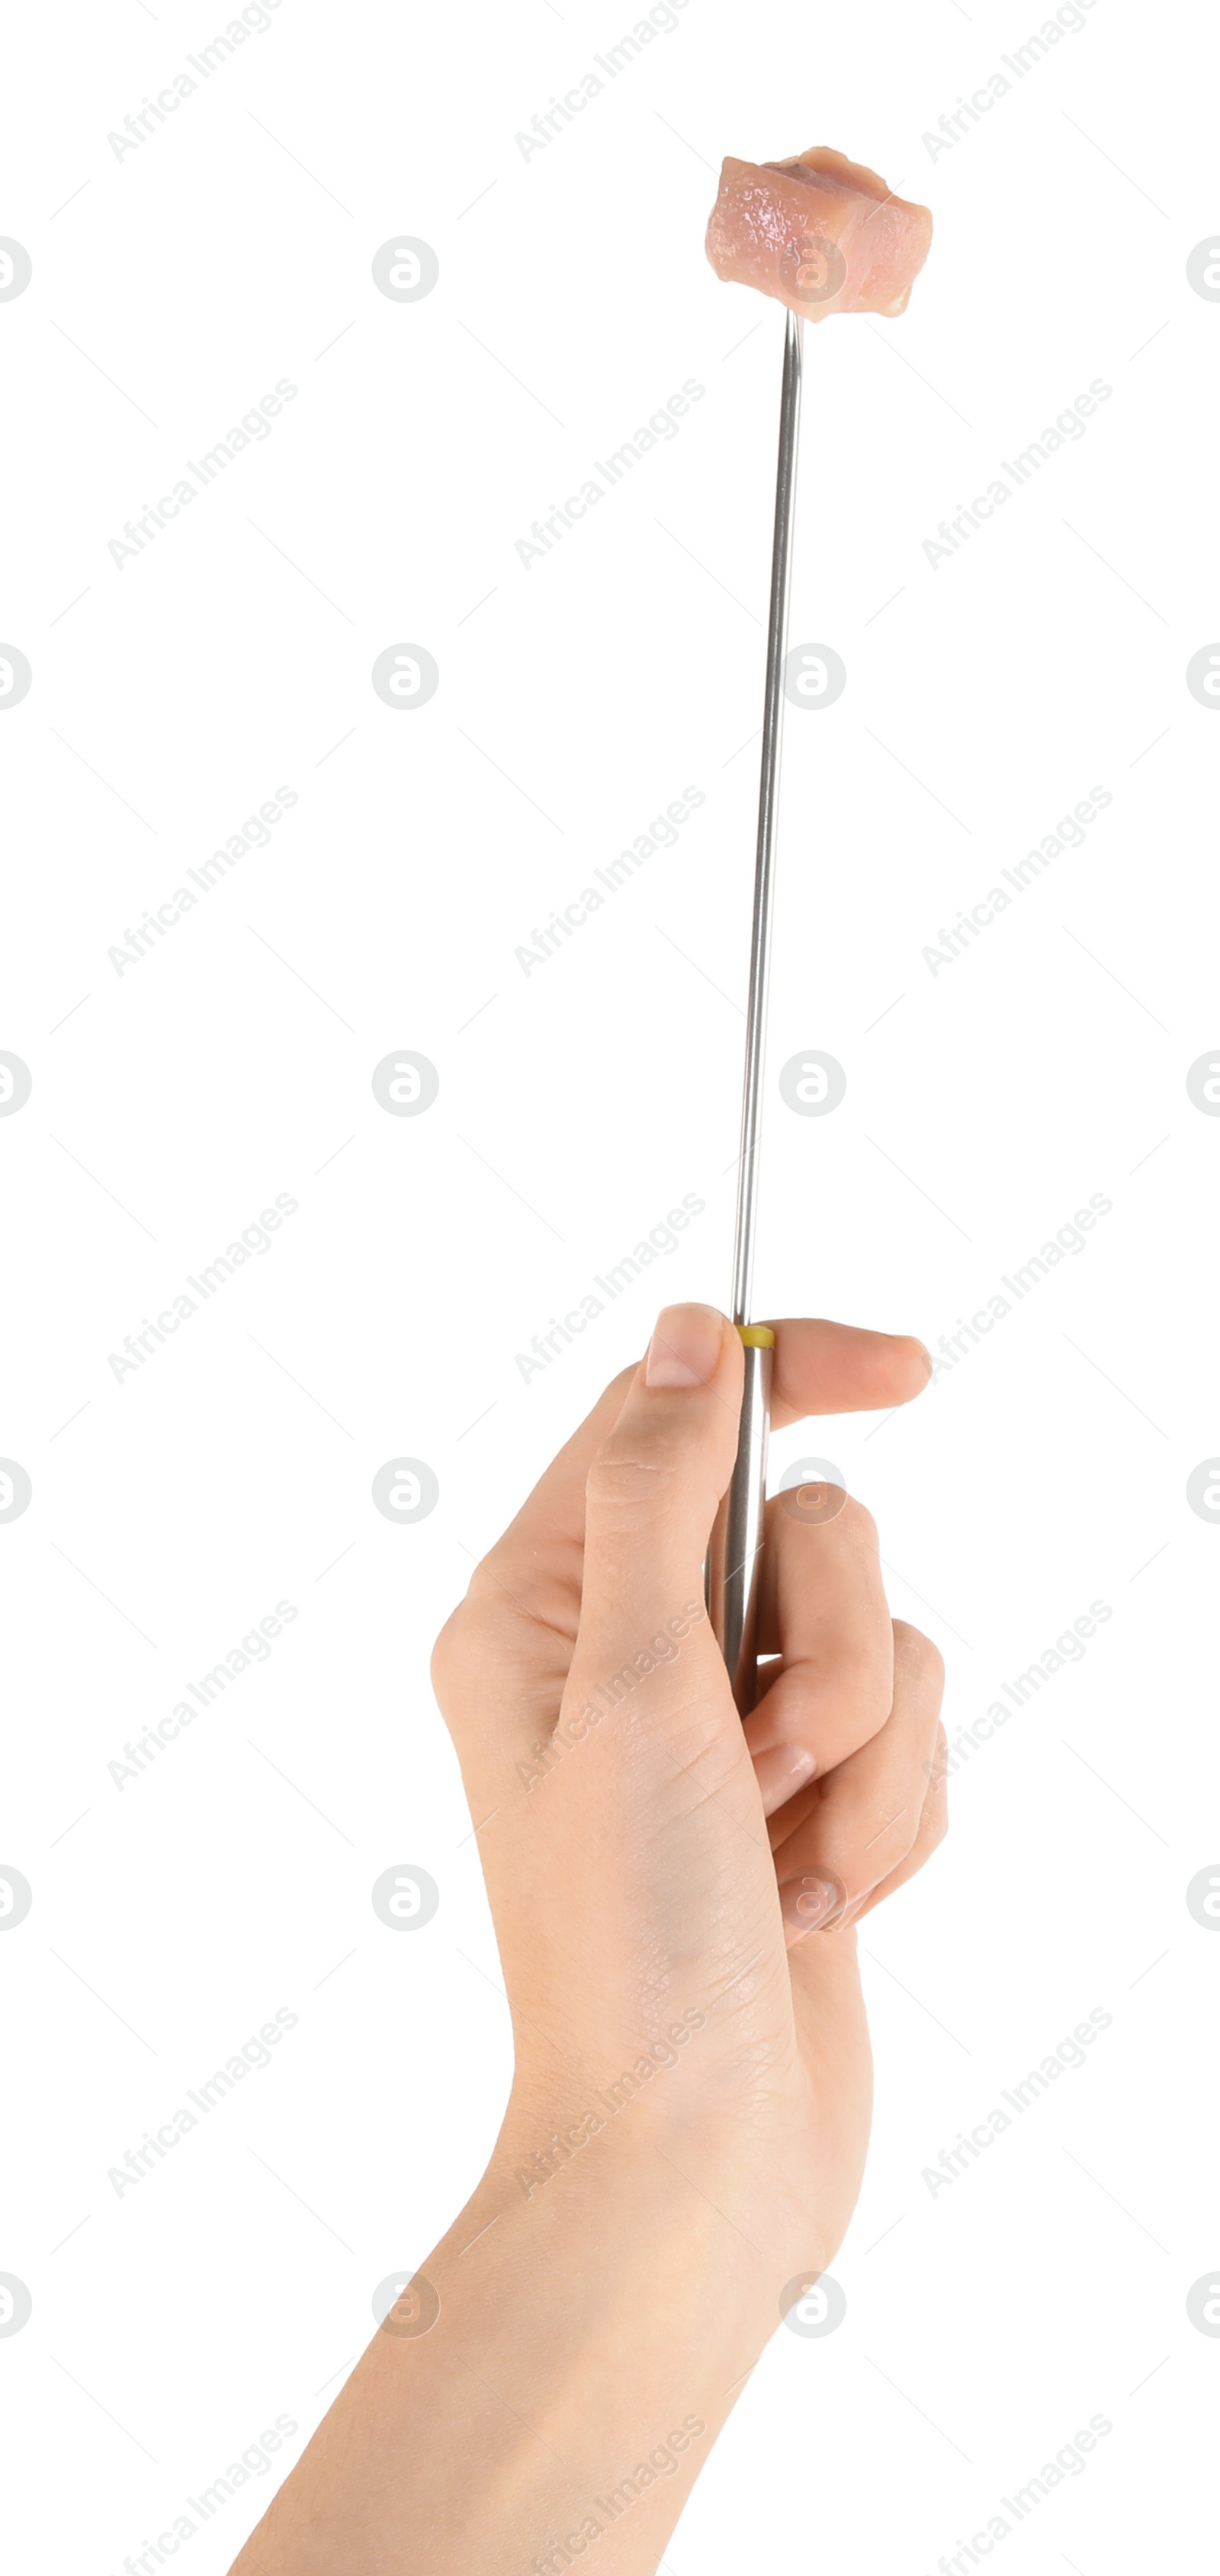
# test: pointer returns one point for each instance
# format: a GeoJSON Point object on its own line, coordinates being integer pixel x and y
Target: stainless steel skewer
{"type": "Point", "coordinates": [735, 1557]}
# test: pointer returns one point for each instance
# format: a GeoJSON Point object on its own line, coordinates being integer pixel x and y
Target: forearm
{"type": "Point", "coordinates": [591, 2339]}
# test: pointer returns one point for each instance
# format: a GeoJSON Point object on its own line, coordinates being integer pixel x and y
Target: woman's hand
{"type": "Point", "coordinates": [639, 1834]}
{"type": "Point", "coordinates": [674, 1898]}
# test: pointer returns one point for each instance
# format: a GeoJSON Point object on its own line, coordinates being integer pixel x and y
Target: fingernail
{"type": "Point", "coordinates": [781, 1771]}
{"type": "Point", "coordinates": [810, 1903]}
{"type": "Point", "coordinates": [685, 1346]}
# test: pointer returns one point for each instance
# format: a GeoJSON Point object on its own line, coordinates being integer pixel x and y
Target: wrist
{"type": "Point", "coordinates": [618, 2163]}
{"type": "Point", "coordinates": [630, 2268]}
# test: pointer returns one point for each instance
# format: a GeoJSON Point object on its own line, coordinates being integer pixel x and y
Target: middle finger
{"type": "Point", "coordinates": [823, 1611]}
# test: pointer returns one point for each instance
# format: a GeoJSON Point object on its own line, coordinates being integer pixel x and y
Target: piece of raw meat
{"type": "Point", "coordinates": [821, 233]}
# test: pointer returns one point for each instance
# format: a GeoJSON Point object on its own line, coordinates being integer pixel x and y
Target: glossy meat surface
{"type": "Point", "coordinates": [819, 232]}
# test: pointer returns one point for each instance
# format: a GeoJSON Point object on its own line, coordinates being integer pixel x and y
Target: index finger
{"type": "Point", "coordinates": [822, 1367]}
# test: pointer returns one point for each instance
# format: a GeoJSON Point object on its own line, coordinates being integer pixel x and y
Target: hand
{"type": "Point", "coordinates": [674, 1898]}
{"type": "Point", "coordinates": [639, 1834]}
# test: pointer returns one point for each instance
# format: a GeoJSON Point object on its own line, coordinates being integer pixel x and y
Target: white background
{"type": "Point", "coordinates": [985, 1104]}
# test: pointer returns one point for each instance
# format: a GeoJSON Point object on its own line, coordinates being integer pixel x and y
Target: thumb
{"type": "Point", "coordinates": [654, 1485]}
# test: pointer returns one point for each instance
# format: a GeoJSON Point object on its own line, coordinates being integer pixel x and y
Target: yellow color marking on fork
{"type": "Point", "coordinates": [756, 1337]}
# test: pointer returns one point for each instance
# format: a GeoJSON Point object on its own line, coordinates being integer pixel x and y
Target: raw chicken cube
{"type": "Point", "coordinates": [820, 233]}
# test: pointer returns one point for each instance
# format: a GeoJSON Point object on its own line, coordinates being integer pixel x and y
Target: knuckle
{"type": "Point", "coordinates": [922, 1662]}
{"type": "Point", "coordinates": [512, 1636]}
{"type": "Point", "coordinates": [462, 1650]}
{"type": "Point", "coordinates": [451, 1656]}
{"type": "Point", "coordinates": [858, 1522]}
{"type": "Point", "coordinates": [863, 1697]}
{"type": "Point", "coordinates": [934, 1820]}
{"type": "Point", "coordinates": [936, 1828]}
{"type": "Point", "coordinates": [631, 1476]}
